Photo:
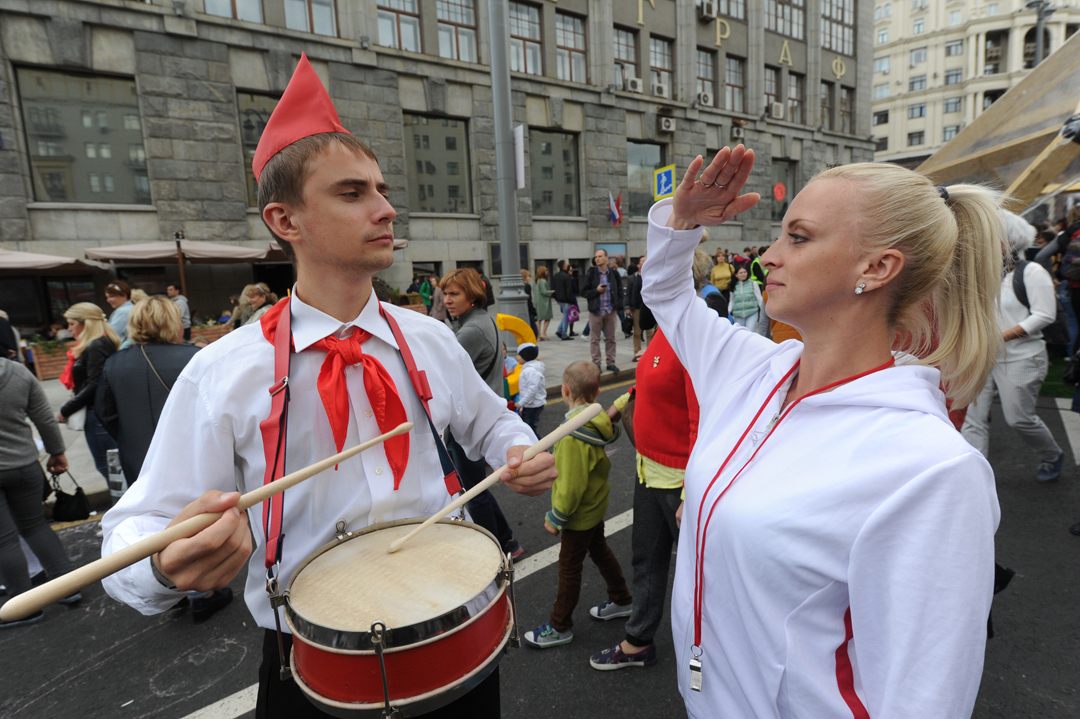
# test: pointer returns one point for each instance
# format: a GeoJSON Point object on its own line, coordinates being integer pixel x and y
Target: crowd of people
{"type": "Point", "coordinates": [835, 534]}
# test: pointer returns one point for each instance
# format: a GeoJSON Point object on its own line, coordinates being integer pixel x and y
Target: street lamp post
{"type": "Point", "coordinates": [1044, 9]}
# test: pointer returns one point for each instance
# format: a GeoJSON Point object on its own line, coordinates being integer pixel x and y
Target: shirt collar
{"type": "Point", "coordinates": [309, 325]}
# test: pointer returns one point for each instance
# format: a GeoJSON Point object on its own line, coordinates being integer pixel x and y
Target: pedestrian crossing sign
{"type": "Point", "coordinates": [664, 182]}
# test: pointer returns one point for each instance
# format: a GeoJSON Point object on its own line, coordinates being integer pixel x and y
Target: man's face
{"type": "Point", "coordinates": [346, 222]}
{"type": "Point", "coordinates": [171, 291]}
{"type": "Point", "coordinates": [600, 258]}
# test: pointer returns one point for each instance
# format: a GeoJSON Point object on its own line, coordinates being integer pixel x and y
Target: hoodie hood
{"type": "Point", "coordinates": [536, 364]}
{"type": "Point", "coordinates": [599, 431]}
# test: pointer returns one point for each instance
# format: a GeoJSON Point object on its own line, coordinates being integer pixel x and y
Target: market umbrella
{"type": "Point", "coordinates": [32, 263]}
{"type": "Point", "coordinates": [178, 250]}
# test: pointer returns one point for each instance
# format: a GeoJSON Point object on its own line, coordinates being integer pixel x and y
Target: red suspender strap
{"type": "Point", "coordinates": [423, 391]}
{"type": "Point", "coordinates": [273, 427]}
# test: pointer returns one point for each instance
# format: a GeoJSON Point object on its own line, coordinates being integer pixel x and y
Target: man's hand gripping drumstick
{"type": "Point", "coordinates": [203, 548]}
{"type": "Point", "coordinates": [529, 456]}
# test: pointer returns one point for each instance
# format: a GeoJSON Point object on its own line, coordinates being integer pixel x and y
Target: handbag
{"type": "Point", "coordinates": [69, 507]}
{"type": "Point", "coordinates": [627, 325]}
{"type": "Point", "coordinates": [77, 421]}
{"type": "Point", "coordinates": [572, 313]}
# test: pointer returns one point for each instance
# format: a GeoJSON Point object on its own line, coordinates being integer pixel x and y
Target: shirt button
{"type": "Point", "coordinates": [378, 470]}
{"type": "Point", "coordinates": [378, 520]}
{"type": "Point", "coordinates": [357, 364]}
{"type": "Point", "coordinates": [368, 413]}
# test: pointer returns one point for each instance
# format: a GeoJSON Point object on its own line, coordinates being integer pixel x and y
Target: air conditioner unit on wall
{"type": "Point", "coordinates": [634, 84]}
{"type": "Point", "coordinates": [665, 124]}
{"type": "Point", "coordinates": [705, 98]}
{"type": "Point", "coordinates": [737, 133]}
{"type": "Point", "coordinates": [661, 90]}
{"type": "Point", "coordinates": [707, 11]}
{"type": "Point", "coordinates": [776, 110]}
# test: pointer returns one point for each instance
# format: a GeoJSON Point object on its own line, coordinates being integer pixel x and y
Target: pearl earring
{"type": "Point", "coordinates": [860, 288]}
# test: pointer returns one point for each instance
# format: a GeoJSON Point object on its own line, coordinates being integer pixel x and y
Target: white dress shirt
{"type": "Point", "coordinates": [208, 438]}
{"type": "Point", "coordinates": [865, 500]}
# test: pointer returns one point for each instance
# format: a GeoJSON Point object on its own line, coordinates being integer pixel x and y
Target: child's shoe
{"type": "Point", "coordinates": [616, 658]}
{"type": "Point", "coordinates": [545, 636]}
{"type": "Point", "coordinates": [611, 610]}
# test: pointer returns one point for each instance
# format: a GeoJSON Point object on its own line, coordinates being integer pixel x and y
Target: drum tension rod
{"type": "Point", "coordinates": [277, 600]}
{"type": "Point", "coordinates": [340, 529]}
{"type": "Point", "coordinates": [508, 575]}
{"type": "Point", "coordinates": [378, 635]}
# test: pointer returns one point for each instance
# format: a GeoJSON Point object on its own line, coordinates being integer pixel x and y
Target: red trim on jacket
{"type": "Point", "coordinates": [845, 677]}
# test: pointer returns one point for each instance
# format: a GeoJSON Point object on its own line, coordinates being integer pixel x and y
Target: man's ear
{"type": "Point", "coordinates": [278, 218]}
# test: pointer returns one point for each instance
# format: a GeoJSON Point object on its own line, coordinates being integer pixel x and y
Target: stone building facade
{"type": "Point", "coordinates": [125, 121]}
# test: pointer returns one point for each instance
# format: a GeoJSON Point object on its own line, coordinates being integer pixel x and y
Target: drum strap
{"type": "Point", "coordinates": [273, 428]}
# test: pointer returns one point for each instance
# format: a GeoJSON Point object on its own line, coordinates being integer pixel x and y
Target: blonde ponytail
{"type": "Point", "coordinates": [944, 302]}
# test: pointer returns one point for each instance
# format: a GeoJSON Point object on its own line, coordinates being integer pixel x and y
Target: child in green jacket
{"type": "Point", "coordinates": [579, 499]}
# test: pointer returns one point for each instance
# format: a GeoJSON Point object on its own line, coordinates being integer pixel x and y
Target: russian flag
{"type": "Point", "coordinates": [616, 209]}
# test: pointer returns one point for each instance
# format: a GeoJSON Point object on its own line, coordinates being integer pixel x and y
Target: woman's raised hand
{"type": "Point", "coordinates": [714, 197]}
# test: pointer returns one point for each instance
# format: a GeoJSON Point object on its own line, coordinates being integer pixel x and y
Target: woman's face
{"type": "Point", "coordinates": [454, 299]}
{"type": "Point", "coordinates": [115, 300]}
{"type": "Point", "coordinates": [742, 275]}
{"type": "Point", "coordinates": [256, 299]}
{"type": "Point", "coordinates": [75, 328]}
{"type": "Point", "coordinates": [815, 265]}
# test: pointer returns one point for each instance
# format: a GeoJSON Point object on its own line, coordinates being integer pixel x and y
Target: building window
{"type": "Point", "coordinates": [311, 16]}
{"type": "Point", "coordinates": [733, 8]}
{"type": "Point", "coordinates": [250, 10]}
{"type": "Point", "coordinates": [881, 117]}
{"type": "Point", "coordinates": [399, 24]}
{"type": "Point", "coordinates": [954, 77]}
{"type": "Point", "coordinates": [553, 166]}
{"type": "Point", "coordinates": [796, 96]}
{"type": "Point", "coordinates": [772, 86]}
{"type": "Point", "coordinates": [992, 9]}
{"type": "Point", "coordinates": [915, 138]}
{"type": "Point", "coordinates": [956, 47]}
{"type": "Point", "coordinates": [881, 91]}
{"type": "Point", "coordinates": [950, 132]}
{"type": "Point", "coordinates": [953, 104]}
{"type": "Point", "coordinates": [735, 84]}
{"type": "Point", "coordinates": [786, 17]}
{"type": "Point", "coordinates": [254, 113]}
{"type": "Point", "coordinates": [136, 156]}
{"type": "Point", "coordinates": [914, 111]}
{"type": "Point", "coordinates": [991, 96]}
{"type": "Point", "coordinates": [838, 26]}
{"type": "Point", "coordinates": [706, 72]}
{"type": "Point", "coordinates": [917, 83]}
{"type": "Point", "coordinates": [641, 160]}
{"type": "Point", "coordinates": [882, 36]}
{"type": "Point", "coordinates": [918, 55]}
{"type": "Point", "coordinates": [570, 47]}
{"type": "Point", "coordinates": [919, 26]}
{"type": "Point", "coordinates": [847, 106]}
{"type": "Point", "coordinates": [457, 29]}
{"type": "Point", "coordinates": [954, 18]}
{"type": "Point", "coordinates": [66, 118]}
{"type": "Point", "coordinates": [625, 56]}
{"type": "Point", "coordinates": [660, 53]}
{"type": "Point", "coordinates": [430, 145]}
{"type": "Point", "coordinates": [881, 64]}
{"type": "Point", "coordinates": [827, 105]}
{"type": "Point", "coordinates": [525, 39]}
{"type": "Point", "coordinates": [881, 144]}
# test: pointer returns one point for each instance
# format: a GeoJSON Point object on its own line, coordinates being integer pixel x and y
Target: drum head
{"type": "Point", "coordinates": [357, 582]}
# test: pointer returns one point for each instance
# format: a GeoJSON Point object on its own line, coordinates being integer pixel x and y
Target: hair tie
{"type": "Point", "coordinates": [943, 192]}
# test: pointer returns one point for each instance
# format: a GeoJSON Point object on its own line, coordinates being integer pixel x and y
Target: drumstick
{"type": "Point", "coordinates": [576, 422]}
{"type": "Point", "coordinates": [29, 602]}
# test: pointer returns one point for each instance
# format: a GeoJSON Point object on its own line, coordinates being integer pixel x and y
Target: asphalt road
{"type": "Point", "coordinates": [102, 659]}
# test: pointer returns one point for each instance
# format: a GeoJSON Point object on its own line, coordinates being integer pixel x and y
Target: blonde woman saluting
{"type": "Point", "coordinates": [836, 555]}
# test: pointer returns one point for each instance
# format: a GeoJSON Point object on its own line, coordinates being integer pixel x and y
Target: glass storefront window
{"type": "Point", "coordinates": [435, 147]}
{"type": "Point", "coordinates": [553, 161]}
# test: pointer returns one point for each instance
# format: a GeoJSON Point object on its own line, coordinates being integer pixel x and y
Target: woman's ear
{"type": "Point", "coordinates": [883, 268]}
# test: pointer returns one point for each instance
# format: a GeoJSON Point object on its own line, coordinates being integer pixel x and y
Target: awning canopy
{"type": "Point", "coordinates": [32, 263]}
{"type": "Point", "coordinates": [1024, 143]}
{"type": "Point", "coordinates": [165, 252]}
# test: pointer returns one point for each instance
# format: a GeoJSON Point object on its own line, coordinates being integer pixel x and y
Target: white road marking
{"type": "Point", "coordinates": [1071, 420]}
{"type": "Point", "coordinates": [243, 701]}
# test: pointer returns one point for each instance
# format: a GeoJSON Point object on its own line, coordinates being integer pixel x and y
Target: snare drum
{"type": "Point", "coordinates": [442, 600]}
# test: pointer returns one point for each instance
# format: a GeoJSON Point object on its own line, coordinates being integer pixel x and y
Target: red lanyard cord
{"type": "Point", "coordinates": [703, 527]}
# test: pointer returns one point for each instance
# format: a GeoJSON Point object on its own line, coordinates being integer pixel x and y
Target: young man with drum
{"type": "Point", "coordinates": [322, 194]}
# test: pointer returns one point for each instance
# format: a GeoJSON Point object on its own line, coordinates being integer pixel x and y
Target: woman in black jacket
{"type": "Point", "coordinates": [96, 342]}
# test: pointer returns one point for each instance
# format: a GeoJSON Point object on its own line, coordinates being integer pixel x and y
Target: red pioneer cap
{"type": "Point", "coordinates": [304, 110]}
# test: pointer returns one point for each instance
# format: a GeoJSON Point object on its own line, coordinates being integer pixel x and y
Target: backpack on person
{"type": "Point", "coordinates": [1070, 263]}
{"type": "Point", "coordinates": [1057, 332]}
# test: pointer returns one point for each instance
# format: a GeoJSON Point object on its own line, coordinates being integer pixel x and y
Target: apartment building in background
{"type": "Point", "coordinates": [124, 121]}
{"type": "Point", "coordinates": [939, 63]}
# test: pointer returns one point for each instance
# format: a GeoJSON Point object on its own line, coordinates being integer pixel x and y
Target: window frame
{"type": "Point", "coordinates": [880, 117]}
{"type": "Point", "coordinates": [790, 22]}
{"type": "Point", "coordinates": [736, 92]}
{"type": "Point", "coordinates": [233, 5]}
{"type": "Point", "coordinates": [436, 159]}
{"type": "Point", "coordinates": [916, 111]}
{"type": "Point", "coordinates": [724, 7]}
{"type": "Point", "coordinates": [883, 64]}
{"type": "Point", "coordinates": [916, 138]}
{"type": "Point", "coordinates": [572, 51]}
{"type": "Point", "coordinates": [846, 106]}
{"type": "Point", "coordinates": [881, 95]}
{"type": "Point", "coordinates": [557, 182]}
{"type": "Point", "coordinates": [882, 36]}
{"type": "Point", "coordinates": [621, 63]}
{"type": "Point", "coordinates": [796, 98]}
{"type": "Point", "coordinates": [958, 101]}
{"type": "Point", "coordinates": [456, 27]}
{"type": "Point", "coordinates": [957, 45]}
{"type": "Point", "coordinates": [310, 17]}
{"type": "Point", "coordinates": [667, 51]}
{"type": "Point", "coordinates": [945, 132]}
{"type": "Point", "coordinates": [828, 103]}
{"type": "Point", "coordinates": [916, 83]}
{"type": "Point", "coordinates": [527, 41]}
{"type": "Point", "coordinates": [838, 26]}
{"type": "Point", "coordinates": [385, 6]}
{"type": "Point", "coordinates": [954, 76]}
{"type": "Point", "coordinates": [703, 83]}
{"type": "Point", "coordinates": [774, 74]}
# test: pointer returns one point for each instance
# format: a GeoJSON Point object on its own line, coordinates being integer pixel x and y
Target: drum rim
{"type": "Point", "coordinates": [422, 702]}
{"type": "Point", "coordinates": [359, 641]}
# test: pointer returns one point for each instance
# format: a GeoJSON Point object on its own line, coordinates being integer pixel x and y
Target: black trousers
{"type": "Point", "coordinates": [285, 700]}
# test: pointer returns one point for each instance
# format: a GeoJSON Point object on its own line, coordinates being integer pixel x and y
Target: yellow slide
{"type": "Point", "coordinates": [522, 333]}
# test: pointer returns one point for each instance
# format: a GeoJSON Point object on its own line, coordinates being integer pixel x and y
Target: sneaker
{"type": "Point", "coordinates": [1050, 470]}
{"type": "Point", "coordinates": [517, 552]}
{"type": "Point", "coordinates": [204, 606]}
{"type": "Point", "coordinates": [611, 610]}
{"type": "Point", "coordinates": [545, 636]}
{"type": "Point", "coordinates": [616, 658]}
{"type": "Point", "coordinates": [32, 619]}
{"type": "Point", "coordinates": [612, 368]}
{"type": "Point", "coordinates": [70, 599]}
